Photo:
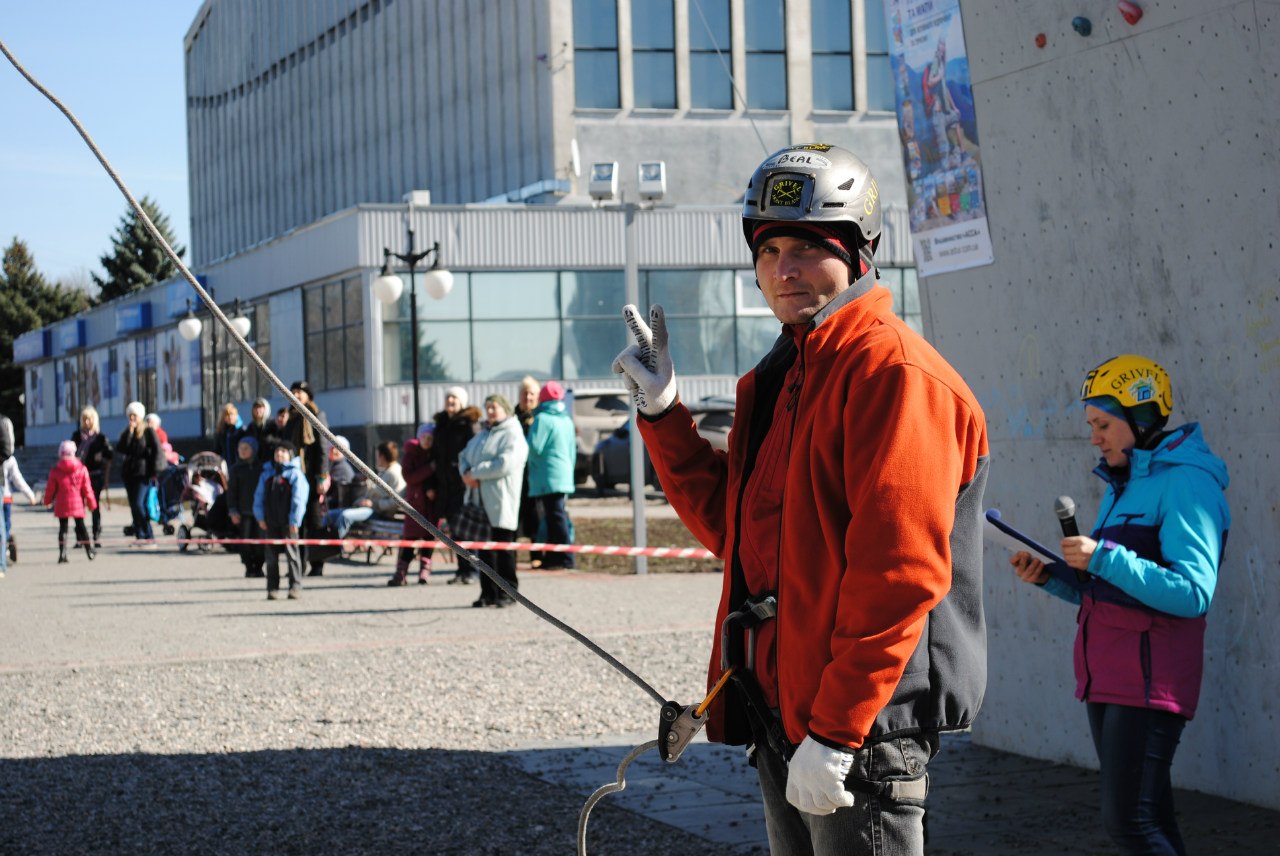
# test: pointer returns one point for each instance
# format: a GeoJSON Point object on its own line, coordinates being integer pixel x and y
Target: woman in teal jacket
{"type": "Point", "coordinates": [553, 449]}
{"type": "Point", "coordinates": [1152, 566]}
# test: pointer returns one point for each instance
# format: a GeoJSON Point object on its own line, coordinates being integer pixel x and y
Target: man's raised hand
{"type": "Point", "coordinates": [646, 366]}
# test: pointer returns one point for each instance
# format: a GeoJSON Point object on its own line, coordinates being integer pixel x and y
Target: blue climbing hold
{"type": "Point", "coordinates": [1082, 25]}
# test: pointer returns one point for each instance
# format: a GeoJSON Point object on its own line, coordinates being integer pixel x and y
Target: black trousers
{"type": "Point", "coordinates": [97, 481]}
{"type": "Point", "coordinates": [502, 561]}
{"type": "Point", "coordinates": [293, 561]}
{"type": "Point", "coordinates": [250, 554]}
{"type": "Point", "coordinates": [82, 534]}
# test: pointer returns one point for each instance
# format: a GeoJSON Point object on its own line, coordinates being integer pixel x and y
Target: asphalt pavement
{"type": "Point", "coordinates": [137, 610]}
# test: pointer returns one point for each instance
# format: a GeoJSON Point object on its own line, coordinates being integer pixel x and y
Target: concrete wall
{"type": "Point", "coordinates": [1134, 202]}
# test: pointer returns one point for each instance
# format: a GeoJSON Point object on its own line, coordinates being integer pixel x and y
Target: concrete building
{"type": "Point", "coordinates": [299, 111]}
{"type": "Point", "coordinates": [318, 133]}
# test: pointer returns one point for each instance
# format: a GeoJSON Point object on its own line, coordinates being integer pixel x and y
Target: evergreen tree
{"type": "Point", "coordinates": [136, 259]}
{"type": "Point", "coordinates": [27, 302]}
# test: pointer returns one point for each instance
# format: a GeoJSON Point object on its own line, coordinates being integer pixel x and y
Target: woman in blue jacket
{"type": "Point", "coordinates": [1152, 566]}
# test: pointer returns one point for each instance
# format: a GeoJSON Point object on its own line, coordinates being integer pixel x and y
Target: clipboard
{"type": "Point", "coordinates": [996, 530]}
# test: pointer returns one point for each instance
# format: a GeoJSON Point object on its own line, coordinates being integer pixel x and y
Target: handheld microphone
{"type": "Point", "coordinates": [1065, 508]}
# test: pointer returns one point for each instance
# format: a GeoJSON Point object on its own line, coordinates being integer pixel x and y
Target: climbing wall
{"type": "Point", "coordinates": [1134, 206]}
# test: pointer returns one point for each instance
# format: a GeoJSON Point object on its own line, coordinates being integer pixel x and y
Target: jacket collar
{"type": "Point", "coordinates": [855, 308]}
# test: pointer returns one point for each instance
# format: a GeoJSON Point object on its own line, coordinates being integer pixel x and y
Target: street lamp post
{"type": "Point", "coordinates": [190, 327]}
{"type": "Point", "coordinates": [388, 286]}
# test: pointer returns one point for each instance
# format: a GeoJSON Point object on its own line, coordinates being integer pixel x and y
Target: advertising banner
{"type": "Point", "coordinates": [939, 134]}
{"type": "Point", "coordinates": [175, 370]}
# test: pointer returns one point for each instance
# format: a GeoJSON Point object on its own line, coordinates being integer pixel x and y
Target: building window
{"type": "Point", "coordinates": [879, 73]}
{"type": "Point", "coordinates": [653, 54]}
{"type": "Point", "coordinates": [595, 53]}
{"type": "Point", "coordinates": [333, 317]}
{"type": "Point", "coordinates": [905, 288]}
{"type": "Point", "coordinates": [500, 326]}
{"type": "Point", "coordinates": [710, 41]}
{"type": "Point", "coordinates": [766, 39]}
{"type": "Point", "coordinates": [590, 302]}
{"type": "Point", "coordinates": [833, 54]}
{"type": "Point", "coordinates": [146, 358]}
{"type": "Point", "coordinates": [233, 376]}
{"type": "Point", "coordinates": [444, 335]}
{"type": "Point", "coordinates": [515, 325]}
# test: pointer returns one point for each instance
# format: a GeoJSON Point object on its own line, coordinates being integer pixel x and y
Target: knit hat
{"type": "Point", "coordinates": [426, 428]}
{"type": "Point", "coordinates": [287, 445]}
{"type": "Point", "coordinates": [1144, 415]}
{"type": "Point", "coordinates": [458, 393]}
{"type": "Point", "coordinates": [153, 417]}
{"type": "Point", "coordinates": [66, 449]}
{"type": "Point", "coordinates": [500, 400]}
{"type": "Point", "coordinates": [551, 391]}
{"type": "Point", "coordinates": [251, 442]}
{"type": "Point", "coordinates": [135, 408]}
{"type": "Point", "coordinates": [825, 235]}
{"type": "Point", "coordinates": [342, 443]}
{"type": "Point", "coordinates": [303, 386]}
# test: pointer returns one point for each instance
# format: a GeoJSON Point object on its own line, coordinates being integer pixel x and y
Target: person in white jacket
{"type": "Point", "coordinates": [493, 464]}
{"type": "Point", "coordinates": [13, 480]}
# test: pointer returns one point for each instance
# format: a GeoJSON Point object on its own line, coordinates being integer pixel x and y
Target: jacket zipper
{"type": "Point", "coordinates": [792, 408]}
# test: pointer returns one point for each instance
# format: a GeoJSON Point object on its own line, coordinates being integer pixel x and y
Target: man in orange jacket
{"type": "Point", "coordinates": [848, 513]}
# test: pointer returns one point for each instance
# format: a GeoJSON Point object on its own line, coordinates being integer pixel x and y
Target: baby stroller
{"type": "Point", "coordinates": [202, 501]}
{"type": "Point", "coordinates": [169, 487]}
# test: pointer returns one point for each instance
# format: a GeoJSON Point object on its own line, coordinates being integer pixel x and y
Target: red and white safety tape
{"type": "Point", "coordinates": [366, 543]}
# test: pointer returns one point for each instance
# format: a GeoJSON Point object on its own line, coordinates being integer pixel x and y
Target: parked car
{"type": "Point", "coordinates": [611, 461]}
{"type": "Point", "coordinates": [596, 413]}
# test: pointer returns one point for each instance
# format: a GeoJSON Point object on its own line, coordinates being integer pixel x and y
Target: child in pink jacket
{"type": "Point", "coordinates": [69, 492]}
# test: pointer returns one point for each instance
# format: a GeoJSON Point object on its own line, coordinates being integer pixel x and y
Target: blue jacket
{"type": "Point", "coordinates": [1160, 533]}
{"type": "Point", "coordinates": [553, 450]}
{"type": "Point", "coordinates": [292, 474]}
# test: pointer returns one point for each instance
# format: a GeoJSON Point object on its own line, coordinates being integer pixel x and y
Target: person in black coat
{"type": "Point", "coordinates": [241, 484]}
{"type": "Point", "coordinates": [230, 430]}
{"type": "Point", "coordinates": [314, 463]}
{"type": "Point", "coordinates": [140, 457]}
{"type": "Point", "coordinates": [94, 451]}
{"type": "Point", "coordinates": [262, 428]}
{"type": "Point", "coordinates": [455, 426]}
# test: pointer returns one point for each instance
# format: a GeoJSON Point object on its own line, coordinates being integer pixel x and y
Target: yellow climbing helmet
{"type": "Point", "coordinates": [1131, 380]}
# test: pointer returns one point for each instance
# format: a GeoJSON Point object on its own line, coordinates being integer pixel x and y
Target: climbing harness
{"type": "Point", "coordinates": [678, 725]}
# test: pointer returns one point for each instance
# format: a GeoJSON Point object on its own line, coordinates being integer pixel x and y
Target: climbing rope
{"type": "Point", "coordinates": [678, 726]}
{"type": "Point", "coordinates": [319, 426]}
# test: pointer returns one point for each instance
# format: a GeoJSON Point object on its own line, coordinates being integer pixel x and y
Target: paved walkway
{"type": "Point", "coordinates": [982, 802]}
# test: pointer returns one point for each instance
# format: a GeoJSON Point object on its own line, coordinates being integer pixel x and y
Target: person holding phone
{"type": "Point", "coordinates": [1152, 561]}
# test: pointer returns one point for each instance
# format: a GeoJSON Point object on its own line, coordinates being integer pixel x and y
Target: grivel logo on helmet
{"type": "Point", "coordinates": [785, 192]}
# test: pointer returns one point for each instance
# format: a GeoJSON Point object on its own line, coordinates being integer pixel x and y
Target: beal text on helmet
{"type": "Point", "coordinates": [798, 158]}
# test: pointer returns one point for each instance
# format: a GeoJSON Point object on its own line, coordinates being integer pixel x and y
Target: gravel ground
{"type": "Point", "coordinates": [158, 703]}
{"type": "Point", "coordinates": [350, 752]}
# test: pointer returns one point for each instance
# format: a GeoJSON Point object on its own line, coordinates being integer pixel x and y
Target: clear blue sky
{"type": "Point", "coordinates": [119, 68]}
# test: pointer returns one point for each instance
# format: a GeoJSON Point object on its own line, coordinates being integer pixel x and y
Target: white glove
{"type": "Point", "coordinates": [815, 778]}
{"type": "Point", "coordinates": [646, 366]}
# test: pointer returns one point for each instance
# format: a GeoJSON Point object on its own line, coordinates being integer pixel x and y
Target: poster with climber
{"type": "Point", "coordinates": [938, 131]}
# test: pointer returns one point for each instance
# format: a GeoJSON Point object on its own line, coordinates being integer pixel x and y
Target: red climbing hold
{"type": "Point", "coordinates": [1131, 11]}
{"type": "Point", "coordinates": [1040, 40]}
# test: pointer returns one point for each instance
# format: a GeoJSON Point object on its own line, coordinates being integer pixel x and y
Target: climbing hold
{"type": "Point", "coordinates": [1131, 11]}
{"type": "Point", "coordinates": [1040, 40]}
{"type": "Point", "coordinates": [1082, 25]}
